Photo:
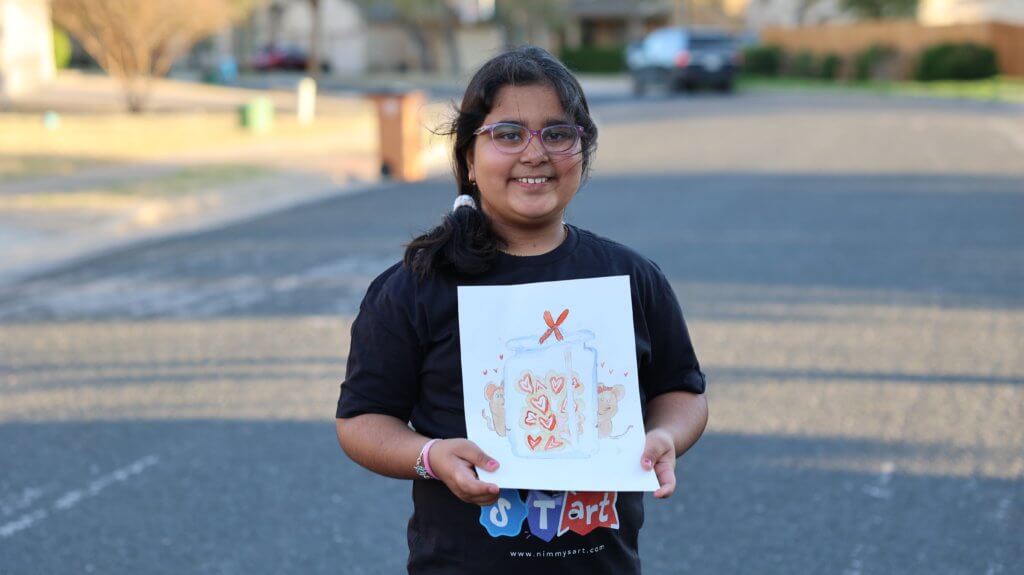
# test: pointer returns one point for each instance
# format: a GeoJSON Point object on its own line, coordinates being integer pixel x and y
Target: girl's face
{"type": "Point", "coordinates": [504, 196]}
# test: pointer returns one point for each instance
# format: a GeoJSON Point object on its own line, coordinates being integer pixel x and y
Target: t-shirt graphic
{"type": "Point", "coordinates": [550, 514]}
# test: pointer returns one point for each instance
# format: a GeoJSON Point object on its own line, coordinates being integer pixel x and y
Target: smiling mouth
{"type": "Point", "coordinates": [531, 180]}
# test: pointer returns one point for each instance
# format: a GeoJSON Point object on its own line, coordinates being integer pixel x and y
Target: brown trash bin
{"type": "Point", "coordinates": [400, 123]}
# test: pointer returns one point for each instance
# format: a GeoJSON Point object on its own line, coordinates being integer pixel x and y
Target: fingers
{"type": "Point", "coordinates": [656, 445]}
{"type": "Point", "coordinates": [477, 457]}
{"type": "Point", "coordinates": [460, 476]}
{"type": "Point", "coordinates": [660, 455]}
{"type": "Point", "coordinates": [467, 487]}
{"type": "Point", "coordinates": [666, 472]}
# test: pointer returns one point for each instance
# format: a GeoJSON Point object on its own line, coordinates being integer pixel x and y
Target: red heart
{"type": "Point", "coordinates": [553, 443]}
{"type": "Point", "coordinates": [484, 372]}
{"type": "Point", "coordinates": [525, 384]}
{"type": "Point", "coordinates": [557, 384]}
{"type": "Point", "coordinates": [602, 364]}
{"type": "Point", "coordinates": [548, 422]}
{"type": "Point", "coordinates": [530, 418]}
{"type": "Point", "coordinates": [576, 383]}
{"type": "Point", "coordinates": [625, 374]}
{"type": "Point", "coordinates": [611, 371]}
{"type": "Point", "coordinates": [501, 356]}
{"type": "Point", "coordinates": [533, 441]}
{"type": "Point", "coordinates": [541, 402]}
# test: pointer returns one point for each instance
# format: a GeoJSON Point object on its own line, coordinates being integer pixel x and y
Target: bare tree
{"type": "Point", "coordinates": [315, 35]}
{"type": "Point", "coordinates": [803, 7]}
{"type": "Point", "coordinates": [881, 9]}
{"type": "Point", "coordinates": [137, 40]}
{"type": "Point", "coordinates": [528, 21]}
{"type": "Point", "coordinates": [413, 15]}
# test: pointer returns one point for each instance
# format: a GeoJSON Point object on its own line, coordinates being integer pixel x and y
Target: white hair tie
{"type": "Point", "coordinates": [463, 200]}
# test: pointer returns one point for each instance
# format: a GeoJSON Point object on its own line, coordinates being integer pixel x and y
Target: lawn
{"type": "Point", "coordinates": [28, 149]}
{"type": "Point", "coordinates": [117, 196]}
{"type": "Point", "coordinates": [1000, 89]}
{"type": "Point", "coordinates": [15, 167]}
{"type": "Point", "coordinates": [147, 137]}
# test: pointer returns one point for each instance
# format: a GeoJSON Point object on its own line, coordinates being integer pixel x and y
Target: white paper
{"type": "Point", "coordinates": [548, 430]}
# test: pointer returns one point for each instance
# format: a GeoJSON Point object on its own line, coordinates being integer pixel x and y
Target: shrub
{"type": "Point", "coordinates": [802, 65]}
{"type": "Point", "coordinates": [831, 65]}
{"type": "Point", "coordinates": [957, 62]}
{"type": "Point", "coordinates": [61, 49]}
{"type": "Point", "coordinates": [763, 60]}
{"type": "Point", "coordinates": [595, 59]}
{"type": "Point", "coordinates": [868, 64]}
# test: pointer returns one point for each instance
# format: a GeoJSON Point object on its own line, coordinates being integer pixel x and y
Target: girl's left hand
{"type": "Point", "coordinates": [660, 455]}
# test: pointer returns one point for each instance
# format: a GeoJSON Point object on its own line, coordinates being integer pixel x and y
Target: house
{"type": "Point", "coordinates": [763, 13]}
{"type": "Point", "coordinates": [611, 23]}
{"type": "Point", "coordinates": [26, 46]}
{"type": "Point", "coordinates": [946, 12]}
{"type": "Point", "coordinates": [359, 37]}
{"type": "Point", "coordinates": [288, 23]}
{"type": "Point", "coordinates": [449, 42]}
{"type": "Point", "coordinates": [607, 23]}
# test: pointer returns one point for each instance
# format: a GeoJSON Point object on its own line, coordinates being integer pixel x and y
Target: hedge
{"type": "Point", "coordinates": [867, 62]}
{"type": "Point", "coordinates": [965, 61]}
{"type": "Point", "coordinates": [594, 59]}
{"type": "Point", "coordinates": [763, 60]}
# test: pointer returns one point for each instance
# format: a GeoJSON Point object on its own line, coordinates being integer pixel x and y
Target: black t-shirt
{"type": "Point", "coordinates": [404, 361]}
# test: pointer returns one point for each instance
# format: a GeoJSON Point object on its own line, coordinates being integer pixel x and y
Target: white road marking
{"type": "Point", "coordinates": [856, 564]}
{"type": "Point", "coordinates": [880, 488]}
{"type": "Point", "coordinates": [1002, 511]}
{"type": "Point", "coordinates": [23, 522]}
{"type": "Point", "coordinates": [14, 503]}
{"type": "Point", "coordinates": [75, 496]}
{"type": "Point", "coordinates": [994, 569]}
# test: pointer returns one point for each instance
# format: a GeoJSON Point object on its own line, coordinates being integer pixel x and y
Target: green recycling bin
{"type": "Point", "coordinates": [257, 115]}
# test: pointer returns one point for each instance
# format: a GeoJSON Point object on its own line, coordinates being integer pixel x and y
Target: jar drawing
{"type": "Point", "coordinates": [550, 394]}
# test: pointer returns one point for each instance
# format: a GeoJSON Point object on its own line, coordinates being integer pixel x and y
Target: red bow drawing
{"type": "Point", "coordinates": [553, 325]}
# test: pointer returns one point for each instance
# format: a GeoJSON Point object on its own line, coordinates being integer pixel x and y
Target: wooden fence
{"type": "Point", "coordinates": [907, 37]}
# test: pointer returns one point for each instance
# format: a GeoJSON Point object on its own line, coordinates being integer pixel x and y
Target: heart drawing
{"type": "Point", "coordinates": [541, 402]}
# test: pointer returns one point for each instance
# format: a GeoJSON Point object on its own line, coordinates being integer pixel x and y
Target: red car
{"type": "Point", "coordinates": [283, 58]}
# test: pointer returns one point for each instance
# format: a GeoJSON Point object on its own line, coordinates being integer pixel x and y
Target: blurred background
{"type": "Point", "coordinates": [195, 194]}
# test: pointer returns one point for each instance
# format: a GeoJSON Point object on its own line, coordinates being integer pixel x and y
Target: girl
{"type": "Point", "coordinates": [523, 142]}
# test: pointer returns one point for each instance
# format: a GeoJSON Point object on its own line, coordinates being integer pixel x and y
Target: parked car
{"type": "Point", "coordinates": [283, 58]}
{"type": "Point", "coordinates": [684, 59]}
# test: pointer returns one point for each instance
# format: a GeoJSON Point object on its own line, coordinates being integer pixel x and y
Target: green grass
{"type": "Point", "coordinates": [183, 183]}
{"type": "Point", "coordinates": [189, 181]}
{"type": "Point", "coordinates": [999, 89]}
{"type": "Point", "coordinates": [14, 167]}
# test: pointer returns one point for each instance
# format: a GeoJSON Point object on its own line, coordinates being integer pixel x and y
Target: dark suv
{"type": "Point", "coordinates": [684, 59]}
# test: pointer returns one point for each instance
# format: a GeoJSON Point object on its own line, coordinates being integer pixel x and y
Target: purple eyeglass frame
{"type": "Point", "coordinates": [489, 128]}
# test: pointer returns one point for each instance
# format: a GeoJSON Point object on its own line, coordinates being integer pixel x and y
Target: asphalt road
{"type": "Point", "coordinates": [851, 269]}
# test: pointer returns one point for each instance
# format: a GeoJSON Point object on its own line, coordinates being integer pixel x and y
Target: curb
{"type": "Point", "coordinates": [155, 221]}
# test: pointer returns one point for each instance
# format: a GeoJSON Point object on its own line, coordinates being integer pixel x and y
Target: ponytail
{"type": "Point", "coordinates": [463, 244]}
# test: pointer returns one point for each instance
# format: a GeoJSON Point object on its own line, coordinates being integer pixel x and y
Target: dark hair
{"type": "Point", "coordinates": [465, 243]}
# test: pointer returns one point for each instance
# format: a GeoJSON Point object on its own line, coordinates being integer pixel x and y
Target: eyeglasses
{"type": "Point", "coordinates": [513, 138]}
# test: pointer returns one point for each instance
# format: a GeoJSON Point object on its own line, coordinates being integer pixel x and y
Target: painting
{"type": "Point", "coordinates": [550, 384]}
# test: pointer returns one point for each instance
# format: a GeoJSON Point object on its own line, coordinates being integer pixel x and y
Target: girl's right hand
{"type": "Point", "coordinates": [452, 461]}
